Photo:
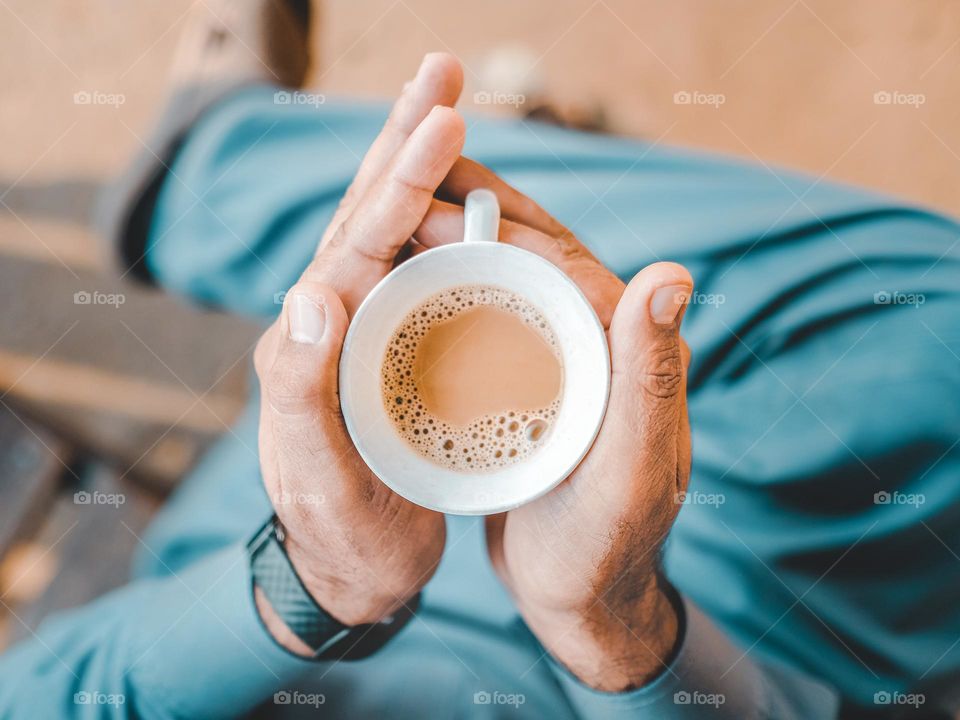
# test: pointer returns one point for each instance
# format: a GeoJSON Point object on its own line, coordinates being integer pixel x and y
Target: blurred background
{"type": "Point", "coordinates": [120, 398]}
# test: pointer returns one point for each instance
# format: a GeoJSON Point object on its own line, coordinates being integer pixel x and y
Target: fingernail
{"type": "Point", "coordinates": [308, 317]}
{"type": "Point", "coordinates": [666, 303]}
{"type": "Point", "coordinates": [408, 85]}
{"type": "Point", "coordinates": [423, 64]}
{"type": "Point", "coordinates": [429, 57]}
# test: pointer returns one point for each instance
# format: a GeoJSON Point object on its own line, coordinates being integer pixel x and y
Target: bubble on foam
{"type": "Point", "coordinates": [489, 442]}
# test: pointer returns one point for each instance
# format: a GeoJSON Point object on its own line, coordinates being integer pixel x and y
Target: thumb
{"type": "Point", "coordinates": [302, 377]}
{"type": "Point", "coordinates": [648, 359]}
{"type": "Point", "coordinates": [297, 361]}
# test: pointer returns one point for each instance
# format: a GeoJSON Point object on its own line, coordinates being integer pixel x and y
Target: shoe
{"type": "Point", "coordinates": [227, 44]}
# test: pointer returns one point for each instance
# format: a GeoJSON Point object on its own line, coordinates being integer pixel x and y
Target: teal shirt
{"type": "Point", "coordinates": [816, 552]}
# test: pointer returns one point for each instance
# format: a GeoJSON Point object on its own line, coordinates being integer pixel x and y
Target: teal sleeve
{"type": "Point", "coordinates": [186, 645]}
{"type": "Point", "coordinates": [708, 678]}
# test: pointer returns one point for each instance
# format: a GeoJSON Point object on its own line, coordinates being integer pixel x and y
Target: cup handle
{"type": "Point", "coordinates": [481, 217]}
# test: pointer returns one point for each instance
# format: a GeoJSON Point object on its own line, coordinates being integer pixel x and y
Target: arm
{"type": "Point", "coordinates": [708, 677]}
{"type": "Point", "coordinates": [189, 645]}
{"type": "Point", "coordinates": [624, 643]}
{"type": "Point", "coordinates": [581, 562]}
{"type": "Point", "coordinates": [197, 644]}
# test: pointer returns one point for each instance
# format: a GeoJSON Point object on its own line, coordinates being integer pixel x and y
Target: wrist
{"type": "Point", "coordinates": [614, 647]}
{"type": "Point", "coordinates": [348, 599]}
{"type": "Point", "coordinates": [281, 632]}
{"type": "Point", "coordinates": [296, 620]}
{"type": "Point", "coordinates": [355, 598]}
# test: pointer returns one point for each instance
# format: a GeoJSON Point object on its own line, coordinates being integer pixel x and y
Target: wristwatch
{"type": "Point", "coordinates": [329, 639]}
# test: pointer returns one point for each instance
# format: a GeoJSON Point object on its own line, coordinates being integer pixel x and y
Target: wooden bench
{"type": "Point", "coordinates": [68, 524]}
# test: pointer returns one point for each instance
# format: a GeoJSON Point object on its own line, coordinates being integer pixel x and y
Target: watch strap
{"type": "Point", "coordinates": [276, 577]}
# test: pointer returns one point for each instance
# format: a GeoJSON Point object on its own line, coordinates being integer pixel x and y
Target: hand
{"type": "Point", "coordinates": [361, 550]}
{"type": "Point", "coordinates": [581, 562]}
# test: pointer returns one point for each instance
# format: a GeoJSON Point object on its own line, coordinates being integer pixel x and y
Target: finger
{"type": "Point", "coordinates": [297, 365]}
{"type": "Point", "coordinates": [392, 209]}
{"type": "Point", "coordinates": [300, 374]}
{"type": "Point", "coordinates": [438, 81]}
{"type": "Point", "coordinates": [443, 223]}
{"type": "Point", "coordinates": [640, 459]}
{"type": "Point", "coordinates": [494, 526]}
{"type": "Point", "coordinates": [467, 175]}
{"type": "Point", "coordinates": [365, 245]}
{"type": "Point", "coordinates": [416, 248]}
{"type": "Point", "coordinates": [684, 441]}
{"type": "Point", "coordinates": [648, 384]}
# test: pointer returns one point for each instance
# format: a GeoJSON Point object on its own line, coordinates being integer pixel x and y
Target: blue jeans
{"type": "Point", "coordinates": [819, 535]}
{"type": "Point", "coordinates": [817, 379]}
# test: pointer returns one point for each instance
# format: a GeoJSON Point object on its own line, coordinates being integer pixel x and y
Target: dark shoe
{"type": "Point", "coordinates": [227, 44]}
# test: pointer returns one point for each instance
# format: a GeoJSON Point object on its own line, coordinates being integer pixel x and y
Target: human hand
{"type": "Point", "coordinates": [581, 562]}
{"type": "Point", "coordinates": [360, 549]}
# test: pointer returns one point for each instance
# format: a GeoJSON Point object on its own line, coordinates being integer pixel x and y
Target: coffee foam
{"type": "Point", "coordinates": [489, 442]}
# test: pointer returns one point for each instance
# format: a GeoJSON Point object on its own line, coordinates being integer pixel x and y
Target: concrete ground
{"type": "Point", "coordinates": [862, 91]}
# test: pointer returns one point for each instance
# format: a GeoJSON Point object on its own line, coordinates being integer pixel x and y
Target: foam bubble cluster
{"type": "Point", "coordinates": [489, 442]}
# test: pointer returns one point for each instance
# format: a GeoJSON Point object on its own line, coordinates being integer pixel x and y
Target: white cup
{"type": "Point", "coordinates": [478, 260]}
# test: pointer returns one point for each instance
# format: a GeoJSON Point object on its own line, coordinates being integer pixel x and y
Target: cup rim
{"type": "Point", "coordinates": [376, 466]}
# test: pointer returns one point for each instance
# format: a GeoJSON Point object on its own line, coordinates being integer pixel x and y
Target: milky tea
{"type": "Point", "coordinates": [472, 378]}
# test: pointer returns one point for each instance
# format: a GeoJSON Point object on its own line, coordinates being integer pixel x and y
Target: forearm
{"type": "Point", "coordinates": [185, 646]}
{"type": "Point", "coordinates": [707, 676]}
{"type": "Point", "coordinates": [614, 645]}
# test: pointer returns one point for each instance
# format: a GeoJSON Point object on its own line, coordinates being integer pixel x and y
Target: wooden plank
{"type": "Point", "coordinates": [32, 463]}
{"type": "Point", "coordinates": [146, 384]}
{"type": "Point", "coordinates": [85, 387]}
{"type": "Point", "coordinates": [47, 241]}
{"type": "Point", "coordinates": [89, 539]}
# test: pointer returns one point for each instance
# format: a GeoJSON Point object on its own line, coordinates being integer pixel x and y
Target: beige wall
{"type": "Point", "coordinates": [798, 79]}
{"type": "Point", "coordinates": [798, 76]}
